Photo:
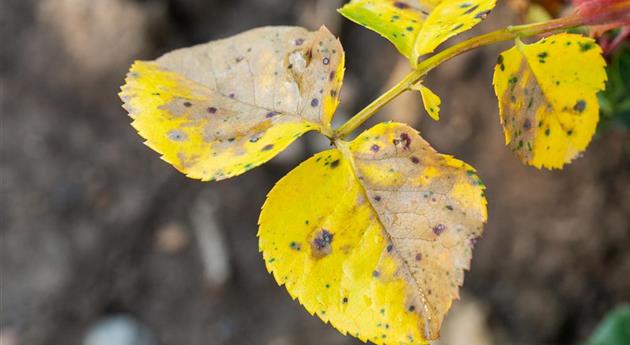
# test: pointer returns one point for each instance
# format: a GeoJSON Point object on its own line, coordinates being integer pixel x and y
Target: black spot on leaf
{"type": "Point", "coordinates": [586, 46]}
{"type": "Point", "coordinates": [321, 245]}
{"type": "Point", "coordinates": [579, 106]}
{"type": "Point", "coordinates": [439, 229]}
{"type": "Point", "coordinates": [295, 246]}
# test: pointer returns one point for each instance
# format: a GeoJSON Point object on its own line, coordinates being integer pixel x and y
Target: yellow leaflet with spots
{"type": "Point", "coordinates": [547, 95]}
{"type": "Point", "coordinates": [430, 100]}
{"type": "Point", "coordinates": [374, 236]}
{"type": "Point", "coordinates": [417, 27]}
{"type": "Point", "coordinates": [218, 109]}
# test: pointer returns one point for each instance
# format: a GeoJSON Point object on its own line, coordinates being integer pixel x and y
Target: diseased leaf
{"type": "Point", "coordinates": [218, 109]}
{"type": "Point", "coordinates": [548, 97]}
{"type": "Point", "coordinates": [417, 27]}
{"type": "Point", "coordinates": [374, 237]}
{"type": "Point", "coordinates": [430, 100]}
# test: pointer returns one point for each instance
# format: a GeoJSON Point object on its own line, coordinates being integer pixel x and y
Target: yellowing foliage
{"type": "Point", "coordinates": [430, 101]}
{"type": "Point", "coordinates": [417, 27]}
{"type": "Point", "coordinates": [548, 97]}
{"type": "Point", "coordinates": [218, 109]}
{"type": "Point", "coordinates": [374, 236]}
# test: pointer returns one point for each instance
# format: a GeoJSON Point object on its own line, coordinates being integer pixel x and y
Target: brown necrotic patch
{"type": "Point", "coordinates": [321, 245]}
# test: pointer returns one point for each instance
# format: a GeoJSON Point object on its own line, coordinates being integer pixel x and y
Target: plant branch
{"type": "Point", "coordinates": [616, 12]}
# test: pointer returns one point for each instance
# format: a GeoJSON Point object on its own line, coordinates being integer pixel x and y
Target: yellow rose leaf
{"type": "Point", "coordinates": [547, 95]}
{"type": "Point", "coordinates": [374, 236]}
{"type": "Point", "coordinates": [430, 100]}
{"type": "Point", "coordinates": [417, 27]}
{"type": "Point", "coordinates": [218, 109]}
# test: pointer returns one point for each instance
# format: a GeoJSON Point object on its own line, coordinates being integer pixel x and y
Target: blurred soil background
{"type": "Point", "coordinates": [103, 243]}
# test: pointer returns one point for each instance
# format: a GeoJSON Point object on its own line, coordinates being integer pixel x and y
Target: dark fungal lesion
{"type": "Point", "coordinates": [584, 47]}
{"type": "Point", "coordinates": [321, 245]}
{"type": "Point", "coordinates": [401, 5]}
{"type": "Point", "coordinates": [295, 246]}
{"type": "Point", "coordinates": [271, 114]}
{"type": "Point", "coordinates": [177, 135]}
{"type": "Point", "coordinates": [439, 229]}
{"type": "Point", "coordinates": [579, 106]}
{"type": "Point", "coordinates": [404, 139]}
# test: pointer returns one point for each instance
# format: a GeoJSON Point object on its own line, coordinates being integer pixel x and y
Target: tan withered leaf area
{"type": "Point", "coordinates": [218, 109]}
{"type": "Point", "coordinates": [431, 205]}
{"type": "Point", "coordinates": [375, 236]}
